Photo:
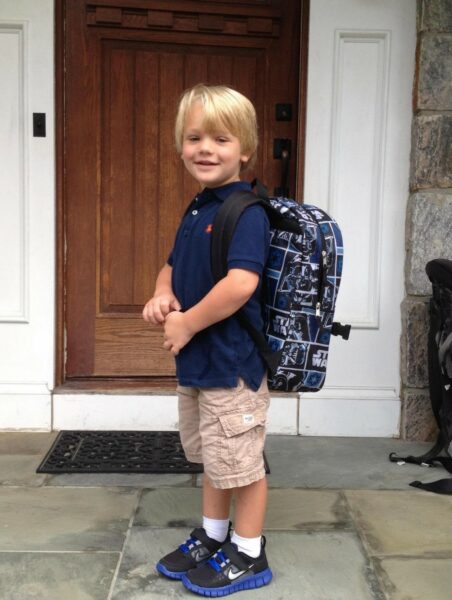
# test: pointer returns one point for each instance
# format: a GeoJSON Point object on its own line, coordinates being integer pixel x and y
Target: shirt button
{"type": "Point", "coordinates": [194, 212]}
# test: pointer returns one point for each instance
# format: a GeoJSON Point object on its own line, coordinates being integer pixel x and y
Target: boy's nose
{"type": "Point", "coordinates": [206, 145]}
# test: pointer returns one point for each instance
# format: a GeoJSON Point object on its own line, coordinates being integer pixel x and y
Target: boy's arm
{"type": "Point", "coordinates": [247, 256]}
{"type": "Point", "coordinates": [163, 301]}
{"type": "Point", "coordinates": [223, 300]}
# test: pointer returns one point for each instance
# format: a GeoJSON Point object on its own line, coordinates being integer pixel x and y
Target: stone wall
{"type": "Point", "coordinates": [429, 212]}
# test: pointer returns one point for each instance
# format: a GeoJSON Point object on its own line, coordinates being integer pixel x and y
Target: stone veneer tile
{"type": "Point", "coordinates": [434, 90]}
{"type": "Point", "coordinates": [64, 519]}
{"type": "Point", "coordinates": [411, 523]}
{"type": "Point", "coordinates": [429, 223]}
{"type": "Point", "coordinates": [52, 576]}
{"type": "Point", "coordinates": [418, 421]}
{"type": "Point", "coordinates": [417, 579]}
{"type": "Point", "coordinates": [431, 162]}
{"type": "Point", "coordinates": [436, 15]}
{"type": "Point", "coordinates": [415, 324]}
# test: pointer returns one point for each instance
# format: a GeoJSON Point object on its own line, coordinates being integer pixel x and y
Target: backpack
{"type": "Point", "coordinates": [439, 272]}
{"type": "Point", "coordinates": [300, 284]}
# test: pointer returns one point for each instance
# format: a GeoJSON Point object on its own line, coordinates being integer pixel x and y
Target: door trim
{"type": "Point", "coordinates": [60, 194]}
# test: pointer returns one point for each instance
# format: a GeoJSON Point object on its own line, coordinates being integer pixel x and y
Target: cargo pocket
{"type": "Point", "coordinates": [242, 442]}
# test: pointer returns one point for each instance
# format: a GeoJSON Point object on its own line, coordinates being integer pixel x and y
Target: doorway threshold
{"type": "Point", "coordinates": [122, 386]}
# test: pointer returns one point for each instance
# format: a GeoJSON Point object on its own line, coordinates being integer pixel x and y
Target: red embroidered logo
{"type": "Point", "coordinates": [208, 229]}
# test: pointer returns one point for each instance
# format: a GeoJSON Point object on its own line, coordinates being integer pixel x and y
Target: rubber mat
{"type": "Point", "coordinates": [118, 452]}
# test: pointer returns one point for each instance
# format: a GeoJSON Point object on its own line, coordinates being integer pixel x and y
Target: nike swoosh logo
{"type": "Point", "coordinates": [200, 555]}
{"type": "Point", "coordinates": [232, 576]}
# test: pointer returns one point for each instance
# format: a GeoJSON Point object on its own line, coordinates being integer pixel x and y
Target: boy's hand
{"type": "Point", "coordinates": [177, 332]}
{"type": "Point", "coordinates": [159, 307]}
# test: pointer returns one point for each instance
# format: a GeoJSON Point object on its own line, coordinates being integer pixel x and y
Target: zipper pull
{"type": "Point", "coordinates": [317, 310]}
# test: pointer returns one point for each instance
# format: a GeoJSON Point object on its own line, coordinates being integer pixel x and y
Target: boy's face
{"type": "Point", "coordinates": [212, 158]}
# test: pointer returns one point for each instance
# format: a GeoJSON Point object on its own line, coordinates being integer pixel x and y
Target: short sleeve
{"type": "Point", "coordinates": [250, 242]}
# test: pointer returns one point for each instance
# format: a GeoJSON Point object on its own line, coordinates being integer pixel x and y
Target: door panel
{"type": "Point", "coordinates": [357, 165]}
{"type": "Point", "coordinates": [125, 185]}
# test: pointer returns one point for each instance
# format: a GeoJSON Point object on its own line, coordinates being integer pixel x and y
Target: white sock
{"type": "Point", "coordinates": [216, 529]}
{"type": "Point", "coordinates": [250, 546]}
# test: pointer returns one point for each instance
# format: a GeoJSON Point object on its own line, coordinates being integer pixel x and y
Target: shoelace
{"type": "Point", "coordinates": [186, 546]}
{"type": "Point", "coordinates": [217, 560]}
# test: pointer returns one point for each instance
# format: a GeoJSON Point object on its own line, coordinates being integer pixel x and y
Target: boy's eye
{"type": "Point", "coordinates": [222, 139]}
{"type": "Point", "coordinates": [193, 138]}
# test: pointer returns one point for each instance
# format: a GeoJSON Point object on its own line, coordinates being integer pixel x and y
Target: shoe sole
{"type": "Point", "coordinates": [250, 583]}
{"type": "Point", "coordinates": [171, 574]}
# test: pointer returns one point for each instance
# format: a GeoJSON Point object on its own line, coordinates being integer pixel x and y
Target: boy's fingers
{"type": "Point", "coordinates": [145, 313]}
{"type": "Point", "coordinates": [151, 314]}
{"type": "Point", "coordinates": [156, 312]}
{"type": "Point", "coordinates": [176, 304]}
{"type": "Point", "coordinates": [164, 307]}
{"type": "Point", "coordinates": [174, 350]}
{"type": "Point", "coordinates": [158, 316]}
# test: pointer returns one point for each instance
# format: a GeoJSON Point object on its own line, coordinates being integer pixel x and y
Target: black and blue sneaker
{"type": "Point", "coordinates": [197, 549]}
{"type": "Point", "coordinates": [229, 571]}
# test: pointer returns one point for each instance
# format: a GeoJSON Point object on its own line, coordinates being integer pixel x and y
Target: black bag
{"type": "Point", "coordinates": [439, 272]}
{"type": "Point", "coordinates": [300, 286]}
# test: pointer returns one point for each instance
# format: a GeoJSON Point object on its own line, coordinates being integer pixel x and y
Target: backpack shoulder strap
{"type": "Point", "coordinates": [223, 229]}
{"type": "Point", "coordinates": [441, 486]}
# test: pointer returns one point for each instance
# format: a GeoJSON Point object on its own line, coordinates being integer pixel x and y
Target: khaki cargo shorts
{"type": "Point", "coordinates": [224, 428]}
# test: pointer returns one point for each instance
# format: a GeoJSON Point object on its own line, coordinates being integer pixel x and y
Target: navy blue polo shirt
{"type": "Point", "coordinates": [218, 355]}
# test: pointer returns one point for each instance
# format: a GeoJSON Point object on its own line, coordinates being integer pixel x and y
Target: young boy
{"type": "Point", "coordinates": [223, 394]}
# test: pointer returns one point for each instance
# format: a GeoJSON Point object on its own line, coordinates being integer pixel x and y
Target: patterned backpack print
{"type": "Point", "coordinates": [302, 279]}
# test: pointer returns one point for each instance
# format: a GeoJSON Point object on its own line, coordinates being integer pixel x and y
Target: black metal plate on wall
{"type": "Point", "coordinates": [118, 452]}
{"type": "Point", "coordinates": [39, 125]}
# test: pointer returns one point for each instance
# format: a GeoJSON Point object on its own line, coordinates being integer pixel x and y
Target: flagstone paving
{"type": "Point", "coordinates": [410, 523]}
{"type": "Point", "coordinates": [417, 579]}
{"type": "Point", "coordinates": [342, 524]}
{"type": "Point", "coordinates": [64, 519]}
{"type": "Point", "coordinates": [56, 576]}
{"type": "Point", "coordinates": [325, 564]}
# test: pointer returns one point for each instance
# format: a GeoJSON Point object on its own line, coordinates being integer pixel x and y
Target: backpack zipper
{"type": "Point", "coordinates": [324, 265]}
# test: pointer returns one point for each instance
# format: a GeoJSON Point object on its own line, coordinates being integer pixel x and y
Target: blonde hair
{"type": "Point", "coordinates": [223, 107]}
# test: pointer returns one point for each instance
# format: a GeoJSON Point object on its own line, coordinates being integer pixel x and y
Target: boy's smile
{"type": "Point", "coordinates": [213, 158]}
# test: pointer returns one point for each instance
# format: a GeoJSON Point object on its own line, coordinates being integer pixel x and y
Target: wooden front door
{"type": "Point", "coordinates": [126, 62]}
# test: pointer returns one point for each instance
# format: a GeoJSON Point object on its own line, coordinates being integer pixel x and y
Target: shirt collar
{"type": "Point", "coordinates": [222, 192]}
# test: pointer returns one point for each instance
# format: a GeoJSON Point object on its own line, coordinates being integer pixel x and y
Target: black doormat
{"type": "Point", "coordinates": [119, 452]}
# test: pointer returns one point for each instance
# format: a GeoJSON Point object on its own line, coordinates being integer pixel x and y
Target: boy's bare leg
{"type": "Point", "coordinates": [216, 503]}
{"type": "Point", "coordinates": [250, 505]}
